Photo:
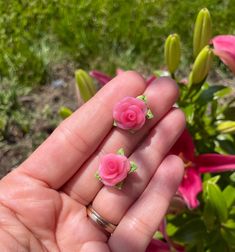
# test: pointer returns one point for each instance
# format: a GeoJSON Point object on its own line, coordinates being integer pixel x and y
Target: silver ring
{"type": "Point", "coordinates": [106, 225]}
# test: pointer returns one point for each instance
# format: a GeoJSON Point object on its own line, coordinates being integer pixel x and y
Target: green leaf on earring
{"type": "Point", "coordinates": [133, 167]}
{"type": "Point", "coordinates": [149, 114]}
{"type": "Point", "coordinates": [97, 175]}
{"type": "Point", "coordinates": [119, 185]}
{"type": "Point", "coordinates": [121, 152]}
{"type": "Point", "coordinates": [142, 97]}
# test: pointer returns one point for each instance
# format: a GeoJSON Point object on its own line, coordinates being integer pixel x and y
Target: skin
{"type": "Point", "coordinates": [43, 201]}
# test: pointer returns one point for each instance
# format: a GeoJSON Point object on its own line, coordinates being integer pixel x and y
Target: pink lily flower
{"type": "Point", "coordinates": [158, 246]}
{"type": "Point", "coordinates": [103, 78]}
{"type": "Point", "coordinates": [224, 48]}
{"type": "Point", "coordinates": [191, 184]}
{"type": "Point", "coordinates": [161, 246]}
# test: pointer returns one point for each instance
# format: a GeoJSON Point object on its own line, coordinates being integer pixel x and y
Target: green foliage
{"type": "Point", "coordinates": [23, 30]}
{"type": "Point", "coordinates": [13, 120]}
{"type": "Point", "coordinates": [129, 33]}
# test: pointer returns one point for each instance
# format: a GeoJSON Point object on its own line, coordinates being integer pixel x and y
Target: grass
{"type": "Point", "coordinates": [99, 34]}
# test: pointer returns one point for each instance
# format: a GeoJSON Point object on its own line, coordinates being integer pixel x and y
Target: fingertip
{"type": "Point", "coordinates": [176, 168]}
{"type": "Point", "coordinates": [129, 83]}
{"type": "Point", "coordinates": [179, 118]}
{"type": "Point", "coordinates": [135, 78]}
{"type": "Point", "coordinates": [169, 83]}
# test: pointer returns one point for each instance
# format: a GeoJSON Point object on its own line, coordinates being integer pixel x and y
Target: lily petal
{"type": "Point", "coordinates": [213, 162]}
{"type": "Point", "coordinates": [190, 186]}
{"type": "Point", "coordinates": [185, 146]}
{"type": "Point", "coordinates": [158, 246]}
{"type": "Point", "coordinates": [226, 58]}
{"type": "Point", "coordinates": [224, 43]}
{"type": "Point", "coordinates": [101, 77]}
{"type": "Point", "coordinates": [224, 48]}
{"type": "Point", "coordinates": [150, 79]}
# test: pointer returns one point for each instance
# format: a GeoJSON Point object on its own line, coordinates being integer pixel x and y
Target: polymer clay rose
{"type": "Point", "coordinates": [130, 113]}
{"type": "Point", "coordinates": [113, 169]}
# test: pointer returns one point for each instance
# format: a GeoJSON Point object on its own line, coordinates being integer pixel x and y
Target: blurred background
{"type": "Point", "coordinates": [43, 42]}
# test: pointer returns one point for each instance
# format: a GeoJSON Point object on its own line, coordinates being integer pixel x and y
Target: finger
{"type": "Point", "coordinates": [61, 155]}
{"type": "Point", "coordinates": [161, 96]}
{"type": "Point", "coordinates": [147, 157]}
{"type": "Point", "coordinates": [144, 217]}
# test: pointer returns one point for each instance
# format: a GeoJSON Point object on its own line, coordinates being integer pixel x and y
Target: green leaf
{"type": "Point", "coordinates": [208, 94]}
{"type": "Point", "coordinates": [158, 235]}
{"type": "Point", "coordinates": [225, 147]}
{"type": "Point", "coordinates": [189, 113]}
{"type": "Point", "coordinates": [230, 224]}
{"type": "Point", "coordinates": [119, 185]}
{"type": "Point", "coordinates": [223, 92]}
{"type": "Point", "coordinates": [149, 114]}
{"type": "Point", "coordinates": [229, 195]}
{"type": "Point", "coordinates": [229, 113]}
{"type": "Point", "coordinates": [213, 180]}
{"type": "Point", "coordinates": [121, 152]}
{"type": "Point", "coordinates": [142, 97]}
{"type": "Point", "coordinates": [133, 167]}
{"type": "Point", "coordinates": [214, 197]}
{"type": "Point", "coordinates": [97, 175]}
{"type": "Point", "coordinates": [229, 236]}
{"type": "Point", "coordinates": [232, 177]}
{"type": "Point", "coordinates": [226, 127]}
{"type": "Point", "coordinates": [209, 217]}
{"type": "Point", "coordinates": [171, 229]}
{"type": "Point", "coordinates": [191, 232]}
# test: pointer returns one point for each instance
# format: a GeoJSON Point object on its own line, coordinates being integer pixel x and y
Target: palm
{"type": "Point", "coordinates": [43, 202]}
{"type": "Point", "coordinates": [56, 222]}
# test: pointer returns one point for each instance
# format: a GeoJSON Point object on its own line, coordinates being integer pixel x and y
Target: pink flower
{"type": "Point", "coordinates": [113, 169]}
{"type": "Point", "coordinates": [224, 48]}
{"type": "Point", "coordinates": [103, 78]}
{"type": "Point", "coordinates": [158, 246]}
{"type": "Point", "coordinates": [191, 184]}
{"type": "Point", "coordinates": [130, 113]}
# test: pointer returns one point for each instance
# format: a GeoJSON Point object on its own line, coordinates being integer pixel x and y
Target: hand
{"type": "Point", "coordinates": [43, 201]}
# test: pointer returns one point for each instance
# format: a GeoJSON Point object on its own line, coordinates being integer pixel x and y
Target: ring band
{"type": "Point", "coordinates": [106, 225]}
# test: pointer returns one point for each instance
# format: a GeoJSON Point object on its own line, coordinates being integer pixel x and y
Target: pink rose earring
{"type": "Point", "coordinates": [114, 168]}
{"type": "Point", "coordinates": [130, 113]}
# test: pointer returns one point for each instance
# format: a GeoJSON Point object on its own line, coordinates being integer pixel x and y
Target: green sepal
{"type": "Point", "coordinates": [97, 175]}
{"type": "Point", "coordinates": [142, 98]}
{"type": "Point", "coordinates": [149, 114]}
{"type": "Point", "coordinates": [133, 167]}
{"type": "Point", "coordinates": [119, 185]}
{"type": "Point", "coordinates": [121, 152]}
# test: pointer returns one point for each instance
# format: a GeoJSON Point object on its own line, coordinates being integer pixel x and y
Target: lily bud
{"type": "Point", "coordinates": [172, 52]}
{"type": "Point", "coordinates": [202, 31]}
{"type": "Point", "coordinates": [201, 65]}
{"type": "Point", "coordinates": [65, 112]}
{"type": "Point", "coordinates": [226, 127]}
{"type": "Point", "coordinates": [85, 85]}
